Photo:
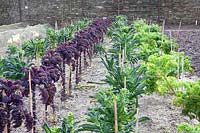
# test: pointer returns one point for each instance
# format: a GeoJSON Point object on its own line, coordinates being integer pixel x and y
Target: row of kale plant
{"type": "Point", "coordinates": [43, 77]}
{"type": "Point", "coordinates": [142, 60]}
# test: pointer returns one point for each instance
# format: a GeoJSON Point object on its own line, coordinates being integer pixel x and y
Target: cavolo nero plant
{"type": "Point", "coordinates": [11, 67]}
{"type": "Point", "coordinates": [68, 125]}
{"type": "Point", "coordinates": [12, 64]}
{"type": "Point", "coordinates": [122, 36]}
{"type": "Point", "coordinates": [120, 21]}
{"type": "Point", "coordinates": [100, 118]}
{"type": "Point", "coordinates": [120, 60]}
{"type": "Point", "coordinates": [134, 80]}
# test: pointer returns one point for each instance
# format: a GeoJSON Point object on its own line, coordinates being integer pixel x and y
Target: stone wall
{"type": "Point", "coordinates": [48, 11]}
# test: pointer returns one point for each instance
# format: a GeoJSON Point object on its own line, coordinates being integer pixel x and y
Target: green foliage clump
{"type": "Point", "coordinates": [188, 98]}
{"type": "Point", "coordinates": [11, 67]}
{"type": "Point", "coordinates": [162, 70]}
{"type": "Point", "coordinates": [14, 50]}
{"type": "Point", "coordinates": [151, 40]}
{"type": "Point", "coordinates": [12, 64]}
{"type": "Point", "coordinates": [68, 125]}
{"type": "Point", "coordinates": [187, 128]}
{"type": "Point", "coordinates": [53, 37]}
{"type": "Point", "coordinates": [34, 48]}
{"type": "Point", "coordinates": [141, 25]}
{"type": "Point", "coordinates": [100, 118]}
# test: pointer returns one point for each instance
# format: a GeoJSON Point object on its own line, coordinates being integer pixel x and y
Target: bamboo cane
{"type": "Point", "coordinates": [182, 67]}
{"type": "Point", "coordinates": [137, 121]}
{"type": "Point", "coordinates": [120, 60]}
{"type": "Point", "coordinates": [70, 84]}
{"type": "Point", "coordinates": [120, 54]}
{"type": "Point", "coordinates": [170, 37]}
{"type": "Point", "coordinates": [179, 28]}
{"type": "Point", "coordinates": [178, 63]}
{"type": "Point", "coordinates": [123, 58]}
{"type": "Point", "coordinates": [85, 60]}
{"type": "Point", "coordinates": [163, 30]}
{"type": "Point", "coordinates": [31, 98]}
{"type": "Point", "coordinates": [56, 25]}
{"type": "Point", "coordinates": [115, 116]}
{"type": "Point", "coordinates": [124, 54]}
{"type": "Point", "coordinates": [6, 126]}
{"type": "Point", "coordinates": [125, 82]}
{"type": "Point", "coordinates": [76, 69]}
{"type": "Point", "coordinates": [80, 71]}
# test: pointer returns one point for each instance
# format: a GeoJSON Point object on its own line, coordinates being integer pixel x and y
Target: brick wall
{"type": "Point", "coordinates": [48, 11]}
{"type": "Point", "coordinates": [9, 12]}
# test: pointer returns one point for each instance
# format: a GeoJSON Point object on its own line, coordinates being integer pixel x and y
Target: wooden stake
{"type": "Point", "coordinates": [123, 58]}
{"type": "Point", "coordinates": [56, 25]}
{"type": "Point", "coordinates": [6, 126]}
{"type": "Point", "coordinates": [70, 81]}
{"type": "Point", "coordinates": [115, 116]}
{"type": "Point", "coordinates": [125, 82]}
{"type": "Point", "coordinates": [120, 60]}
{"type": "Point", "coordinates": [182, 73]}
{"type": "Point", "coordinates": [137, 121]}
{"type": "Point", "coordinates": [180, 24]}
{"type": "Point", "coordinates": [31, 98]}
{"type": "Point", "coordinates": [63, 91]}
{"type": "Point", "coordinates": [46, 112]}
{"type": "Point", "coordinates": [170, 37]}
{"type": "Point", "coordinates": [76, 70]}
{"type": "Point", "coordinates": [80, 64]}
{"type": "Point", "coordinates": [178, 63]}
{"type": "Point", "coordinates": [124, 54]}
{"type": "Point", "coordinates": [149, 26]}
{"type": "Point", "coordinates": [179, 28]}
{"type": "Point", "coordinates": [85, 60]}
{"type": "Point", "coordinates": [120, 56]}
{"type": "Point", "coordinates": [163, 29]}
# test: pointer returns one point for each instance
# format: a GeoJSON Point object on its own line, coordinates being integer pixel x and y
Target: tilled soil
{"type": "Point", "coordinates": [164, 116]}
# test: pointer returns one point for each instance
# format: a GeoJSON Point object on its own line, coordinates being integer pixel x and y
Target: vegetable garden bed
{"type": "Point", "coordinates": [133, 79]}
